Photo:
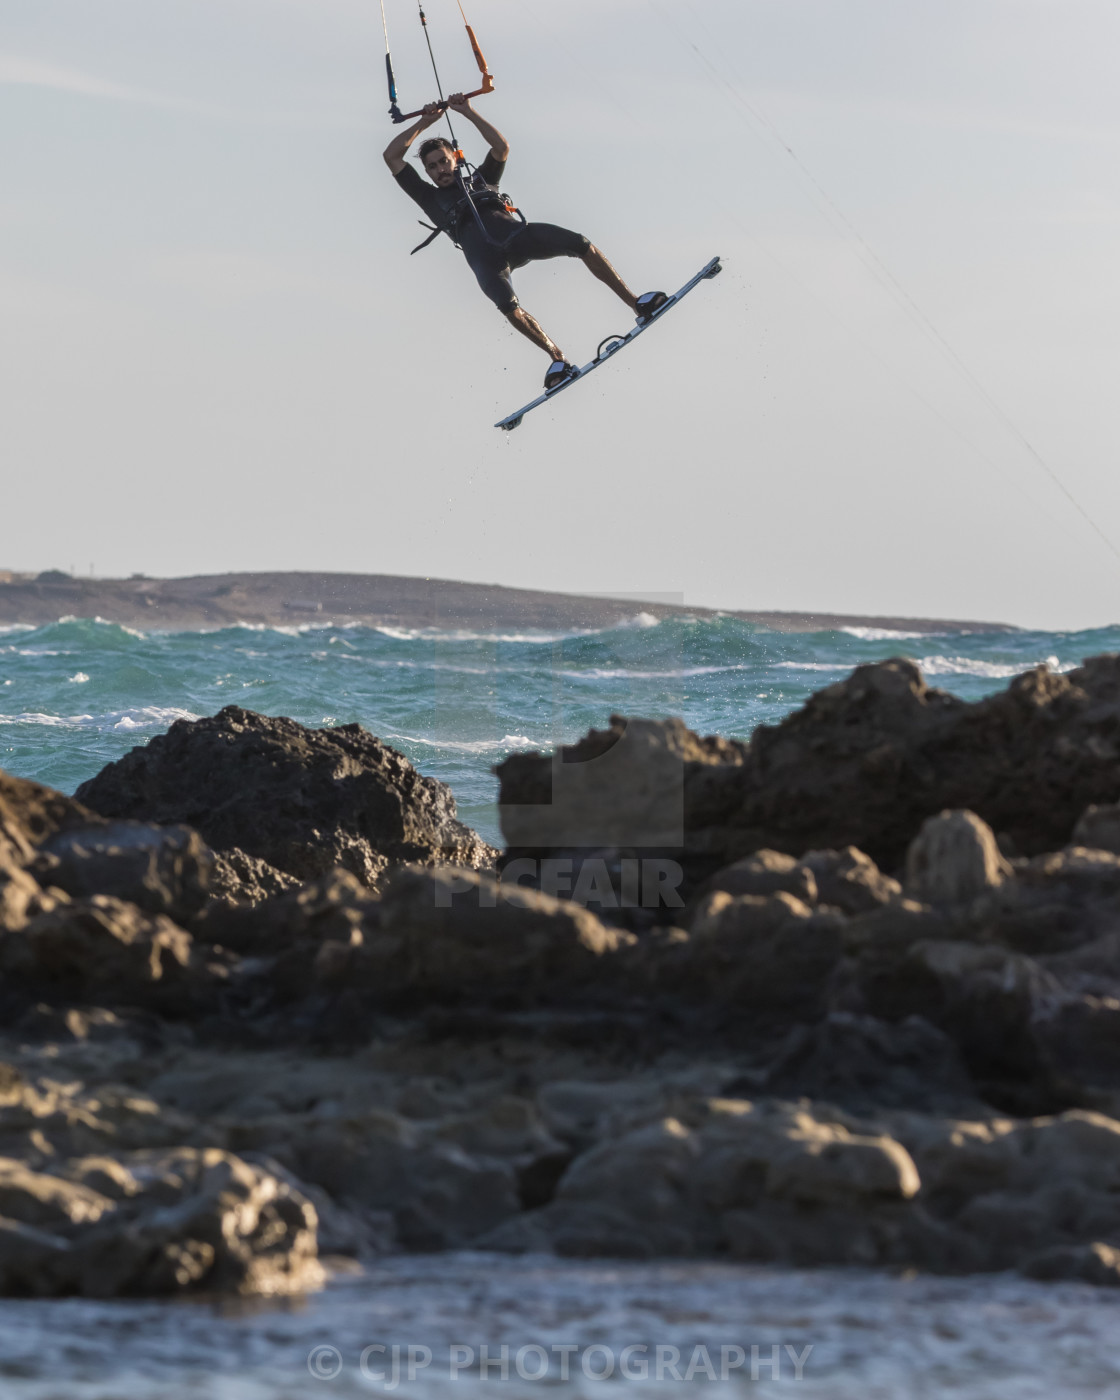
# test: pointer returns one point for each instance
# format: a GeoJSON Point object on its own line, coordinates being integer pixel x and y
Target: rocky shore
{"type": "Point", "coordinates": [848, 993]}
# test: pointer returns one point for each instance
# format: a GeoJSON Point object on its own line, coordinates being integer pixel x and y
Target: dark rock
{"type": "Point", "coordinates": [773, 956]}
{"type": "Point", "coordinates": [863, 763]}
{"type": "Point", "coordinates": [989, 1001]}
{"type": "Point", "coordinates": [335, 907]}
{"type": "Point", "coordinates": [1082, 1040]}
{"type": "Point", "coordinates": [850, 881]}
{"type": "Point", "coordinates": [1095, 1263]}
{"type": "Point", "coordinates": [1098, 827]}
{"type": "Point", "coordinates": [161, 869]}
{"type": "Point", "coordinates": [104, 949]}
{"type": "Point", "coordinates": [766, 872]}
{"type": "Point", "coordinates": [454, 936]}
{"type": "Point", "coordinates": [240, 878]}
{"type": "Point", "coordinates": [31, 813]}
{"type": "Point", "coordinates": [20, 895]}
{"type": "Point", "coordinates": [304, 800]}
{"type": "Point", "coordinates": [862, 1064]}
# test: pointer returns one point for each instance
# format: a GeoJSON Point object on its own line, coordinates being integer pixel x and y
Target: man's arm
{"type": "Point", "coordinates": [397, 149]}
{"type": "Point", "coordinates": [499, 146]}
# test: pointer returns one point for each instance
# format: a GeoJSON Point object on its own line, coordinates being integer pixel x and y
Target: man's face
{"type": "Point", "coordinates": [440, 165]}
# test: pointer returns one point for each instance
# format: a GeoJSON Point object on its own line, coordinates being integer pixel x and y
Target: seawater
{"type": "Point", "coordinates": [559, 1326]}
{"type": "Point", "coordinates": [78, 693]}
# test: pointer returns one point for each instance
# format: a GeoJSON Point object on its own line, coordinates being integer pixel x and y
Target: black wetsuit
{"type": "Point", "coordinates": [514, 244]}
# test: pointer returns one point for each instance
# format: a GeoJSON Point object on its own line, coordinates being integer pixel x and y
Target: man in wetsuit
{"type": "Point", "coordinates": [493, 237]}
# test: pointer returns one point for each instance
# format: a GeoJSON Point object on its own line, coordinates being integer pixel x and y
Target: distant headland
{"type": "Point", "coordinates": [276, 599]}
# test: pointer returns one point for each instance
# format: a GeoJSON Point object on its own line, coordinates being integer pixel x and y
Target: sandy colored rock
{"type": "Point", "coordinates": [31, 813]}
{"type": "Point", "coordinates": [196, 1220]}
{"type": "Point", "coordinates": [20, 895]}
{"type": "Point", "coordinates": [765, 873]}
{"type": "Point", "coordinates": [954, 859]}
{"type": "Point", "coordinates": [849, 880]}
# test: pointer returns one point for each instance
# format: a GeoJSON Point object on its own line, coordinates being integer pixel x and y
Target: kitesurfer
{"type": "Point", "coordinates": [494, 237]}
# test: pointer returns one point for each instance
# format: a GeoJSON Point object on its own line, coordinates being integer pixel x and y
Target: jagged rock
{"type": "Point", "coordinates": [771, 954]}
{"type": "Point", "coordinates": [440, 1196]}
{"type": "Point", "coordinates": [188, 1219]}
{"type": "Point", "coordinates": [455, 935]}
{"type": "Point", "coordinates": [240, 878]}
{"type": "Point", "coordinates": [580, 1113]}
{"type": "Point", "coordinates": [766, 872]}
{"type": "Point", "coordinates": [865, 1064]}
{"type": "Point", "coordinates": [1098, 827]}
{"type": "Point", "coordinates": [161, 869]}
{"type": "Point", "coordinates": [102, 948]}
{"type": "Point", "coordinates": [863, 763]}
{"type": "Point", "coordinates": [887, 930]}
{"type": "Point", "coordinates": [986, 999]}
{"type": "Point", "coordinates": [1082, 1040]}
{"type": "Point", "coordinates": [304, 800]}
{"type": "Point", "coordinates": [20, 895]}
{"type": "Point", "coordinates": [557, 801]}
{"type": "Point", "coordinates": [30, 813]}
{"type": "Point", "coordinates": [334, 907]}
{"type": "Point", "coordinates": [850, 881]}
{"type": "Point", "coordinates": [1077, 873]}
{"type": "Point", "coordinates": [35, 1198]}
{"type": "Point", "coordinates": [1094, 1263]}
{"type": "Point", "coordinates": [673, 1188]}
{"type": "Point", "coordinates": [953, 860]}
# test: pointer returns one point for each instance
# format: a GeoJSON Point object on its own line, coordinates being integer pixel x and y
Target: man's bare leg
{"type": "Point", "coordinates": [531, 328]}
{"type": "Point", "coordinates": [594, 261]}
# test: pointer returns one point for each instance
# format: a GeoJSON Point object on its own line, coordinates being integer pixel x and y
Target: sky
{"type": "Point", "coordinates": [899, 397]}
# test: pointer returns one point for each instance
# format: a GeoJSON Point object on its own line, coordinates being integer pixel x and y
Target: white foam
{"type": "Point", "coordinates": [812, 665]}
{"type": "Point", "coordinates": [885, 634]}
{"type": "Point", "coordinates": [146, 717]}
{"type": "Point", "coordinates": [434, 634]}
{"type": "Point", "coordinates": [80, 678]}
{"type": "Point", "coordinates": [105, 622]}
{"type": "Point", "coordinates": [596, 673]}
{"type": "Point", "coordinates": [987, 670]}
{"type": "Point", "coordinates": [508, 741]}
{"type": "Point", "coordinates": [532, 636]}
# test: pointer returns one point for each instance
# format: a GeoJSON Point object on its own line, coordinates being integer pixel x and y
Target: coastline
{"type": "Point", "coordinates": [203, 601]}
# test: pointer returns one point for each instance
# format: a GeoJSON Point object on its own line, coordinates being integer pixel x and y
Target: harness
{"type": "Point", "coordinates": [475, 196]}
{"type": "Point", "coordinates": [474, 193]}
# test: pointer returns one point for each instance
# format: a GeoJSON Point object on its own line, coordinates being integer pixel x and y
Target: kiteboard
{"type": "Point", "coordinates": [611, 346]}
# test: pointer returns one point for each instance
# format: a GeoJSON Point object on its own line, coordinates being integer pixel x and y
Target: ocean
{"type": "Point", "coordinates": [78, 693]}
{"type": "Point", "coordinates": [581, 1330]}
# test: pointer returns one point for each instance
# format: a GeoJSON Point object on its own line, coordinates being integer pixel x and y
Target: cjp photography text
{"type": "Point", "coordinates": [389, 1366]}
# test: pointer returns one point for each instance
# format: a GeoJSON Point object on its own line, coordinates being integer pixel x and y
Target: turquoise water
{"type": "Point", "coordinates": [78, 693]}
